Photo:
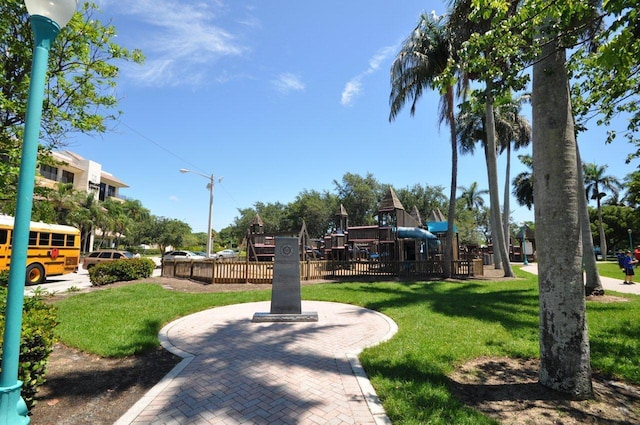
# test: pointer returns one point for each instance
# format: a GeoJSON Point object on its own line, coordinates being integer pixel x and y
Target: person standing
{"type": "Point", "coordinates": [629, 262]}
{"type": "Point", "coordinates": [636, 253]}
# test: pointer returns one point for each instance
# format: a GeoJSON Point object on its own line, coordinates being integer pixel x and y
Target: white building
{"type": "Point", "coordinates": [86, 176]}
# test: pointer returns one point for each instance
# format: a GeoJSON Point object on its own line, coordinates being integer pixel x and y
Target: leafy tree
{"type": "Point", "coordinates": [360, 196]}
{"type": "Point", "coordinates": [632, 183]}
{"type": "Point", "coordinates": [315, 209]}
{"type": "Point", "coordinates": [420, 66]}
{"type": "Point", "coordinates": [426, 198]}
{"type": "Point", "coordinates": [608, 75]}
{"type": "Point", "coordinates": [167, 232]}
{"type": "Point", "coordinates": [79, 96]}
{"type": "Point", "coordinates": [540, 33]}
{"type": "Point", "coordinates": [564, 339]}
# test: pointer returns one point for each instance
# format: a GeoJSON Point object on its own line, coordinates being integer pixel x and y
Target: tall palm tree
{"type": "Point", "coordinates": [596, 186]}
{"type": "Point", "coordinates": [472, 196]}
{"type": "Point", "coordinates": [510, 128]}
{"type": "Point", "coordinates": [424, 56]}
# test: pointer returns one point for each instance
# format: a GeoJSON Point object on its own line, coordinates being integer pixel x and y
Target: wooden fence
{"type": "Point", "coordinates": [214, 271]}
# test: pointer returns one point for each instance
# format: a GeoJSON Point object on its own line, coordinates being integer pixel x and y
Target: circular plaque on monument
{"type": "Point", "coordinates": [286, 250]}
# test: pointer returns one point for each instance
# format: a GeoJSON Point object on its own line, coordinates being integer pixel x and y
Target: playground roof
{"type": "Point", "coordinates": [439, 227]}
{"type": "Point", "coordinates": [390, 202]}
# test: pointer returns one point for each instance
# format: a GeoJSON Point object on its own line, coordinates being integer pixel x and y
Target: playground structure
{"type": "Point", "coordinates": [398, 236]}
{"type": "Point", "coordinates": [400, 245]}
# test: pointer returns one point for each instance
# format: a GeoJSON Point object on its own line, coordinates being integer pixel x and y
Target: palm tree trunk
{"type": "Point", "coordinates": [499, 245]}
{"type": "Point", "coordinates": [564, 338]}
{"type": "Point", "coordinates": [506, 215]}
{"type": "Point", "coordinates": [603, 237]}
{"type": "Point", "coordinates": [593, 285]}
{"type": "Point", "coordinates": [448, 255]}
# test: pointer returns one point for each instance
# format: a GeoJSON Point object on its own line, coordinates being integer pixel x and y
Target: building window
{"type": "Point", "coordinates": [49, 172]}
{"type": "Point", "coordinates": [111, 191]}
{"type": "Point", "coordinates": [67, 177]}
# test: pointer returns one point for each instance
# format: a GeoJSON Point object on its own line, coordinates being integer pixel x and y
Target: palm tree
{"type": "Point", "coordinates": [523, 183]}
{"type": "Point", "coordinates": [472, 196]}
{"type": "Point", "coordinates": [64, 198]}
{"type": "Point", "coordinates": [463, 29]}
{"type": "Point", "coordinates": [424, 56]}
{"type": "Point", "coordinates": [510, 127]}
{"type": "Point", "coordinates": [596, 186]}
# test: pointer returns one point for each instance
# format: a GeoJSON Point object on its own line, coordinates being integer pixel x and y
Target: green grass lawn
{"type": "Point", "coordinates": [610, 269]}
{"type": "Point", "coordinates": [441, 325]}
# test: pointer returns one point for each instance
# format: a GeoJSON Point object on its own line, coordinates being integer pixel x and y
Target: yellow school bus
{"type": "Point", "coordinates": [54, 249]}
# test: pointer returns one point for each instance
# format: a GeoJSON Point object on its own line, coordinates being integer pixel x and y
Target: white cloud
{"type": "Point", "coordinates": [288, 82]}
{"type": "Point", "coordinates": [354, 87]}
{"type": "Point", "coordinates": [174, 198]}
{"type": "Point", "coordinates": [179, 39]}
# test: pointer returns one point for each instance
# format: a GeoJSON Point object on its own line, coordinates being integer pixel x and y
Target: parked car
{"type": "Point", "coordinates": [104, 255]}
{"type": "Point", "coordinates": [182, 255]}
{"type": "Point", "coordinates": [226, 253]}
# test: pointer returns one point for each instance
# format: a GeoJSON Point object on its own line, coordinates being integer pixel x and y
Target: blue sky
{"type": "Point", "coordinates": [277, 97]}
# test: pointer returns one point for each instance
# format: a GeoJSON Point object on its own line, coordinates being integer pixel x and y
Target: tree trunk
{"type": "Point", "coordinates": [564, 340]}
{"type": "Point", "coordinates": [593, 285]}
{"type": "Point", "coordinates": [448, 255]}
{"type": "Point", "coordinates": [499, 245]}
{"type": "Point", "coordinates": [603, 237]}
{"type": "Point", "coordinates": [506, 215]}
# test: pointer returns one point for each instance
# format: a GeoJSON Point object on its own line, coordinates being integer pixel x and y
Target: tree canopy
{"type": "Point", "coordinates": [80, 94]}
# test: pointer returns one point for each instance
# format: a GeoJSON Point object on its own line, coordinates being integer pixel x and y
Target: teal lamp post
{"type": "Point", "coordinates": [47, 18]}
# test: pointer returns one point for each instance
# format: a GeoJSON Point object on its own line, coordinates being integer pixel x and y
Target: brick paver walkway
{"type": "Point", "coordinates": [239, 372]}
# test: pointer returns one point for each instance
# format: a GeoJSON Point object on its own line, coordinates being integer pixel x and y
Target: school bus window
{"type": "Point", "coordinates": [57, 239]}
{"type": "Point", "coordinates": [71, 240]}
{"type": "Point", "coordinates": [3, 236]}
{"type": "Point", "coordinates": [44, 239]}
{"type": "Point", "coordinates": [33, 238]}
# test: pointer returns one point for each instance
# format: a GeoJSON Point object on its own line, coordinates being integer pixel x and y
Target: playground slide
{"type": "Point", "coordinates": [414, 233]}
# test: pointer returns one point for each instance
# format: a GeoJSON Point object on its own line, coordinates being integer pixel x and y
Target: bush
{"type": "Point", "coordinates": [36, 342]}
{"type": "Point", "coordinates": [121, 270]}
{"type": "Point", "coordinates": [4, 278]}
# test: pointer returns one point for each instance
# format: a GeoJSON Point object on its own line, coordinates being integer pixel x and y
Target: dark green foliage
{"type": "Point", "coordinates": [4, 278]}
{"type": "Point", "coordinates": [39, 320]}
{"type": "Point", "coordinates": [121, 270]}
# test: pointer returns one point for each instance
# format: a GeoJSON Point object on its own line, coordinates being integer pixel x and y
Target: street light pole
{"type": "Point", "coordinates": [630, 240]}
{"type": "Point", "coordinates": [211, 186]}
{"type": "Point", "coordinates": [47, 18]}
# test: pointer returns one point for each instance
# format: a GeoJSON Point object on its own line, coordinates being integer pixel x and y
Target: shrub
{"type": "Point", "coordinates": [36, 342]}
{"type": "Point", "coordinates": [4, 278]}
{"type": "Point", "coordinates": [121, 270]}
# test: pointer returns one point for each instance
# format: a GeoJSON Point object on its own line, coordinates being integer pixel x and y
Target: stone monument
{"type": "Point", "coordinates": [286, 300]}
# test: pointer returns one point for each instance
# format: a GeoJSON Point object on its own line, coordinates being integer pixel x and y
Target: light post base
{"type": "Point", "coordinates": [13, 409]}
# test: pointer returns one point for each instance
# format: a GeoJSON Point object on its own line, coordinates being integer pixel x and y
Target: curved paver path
{"type": "Point", "coordinates": [239, 372]}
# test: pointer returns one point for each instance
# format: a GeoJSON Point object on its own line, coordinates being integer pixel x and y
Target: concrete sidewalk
{"type": "Point", "coordinates": [235, 371]}
{"type": "Point", "coordinates": [608, 283]}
